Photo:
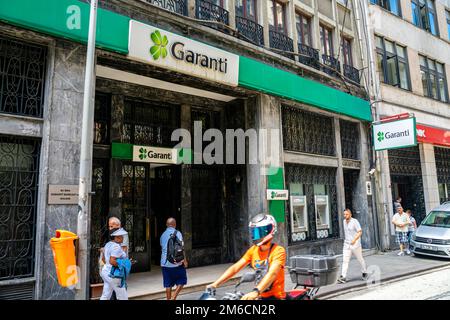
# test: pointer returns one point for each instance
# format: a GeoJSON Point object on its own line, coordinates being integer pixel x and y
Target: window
{"type": "Point", "coordinates": [447, 14]}
{"type": "Point", "coordinates": [149, 124]}
{"type": "Point", "coordinates": [347, 51]}
{"type": "Point", "coordinates": [424, 15]}
{"type": "Point", "coordinates": [434, 81]}
{"type": "Point", "coordinates": [19, 172]}
{"type": "Point", "coordinates": [326, 39]}
{"type": "Point", "coordinates": [392, 63]}
{"type": "Point", "coordinates": [246, 9]}
{"type": "Point", "coordinates": [277, 16]}
{"type": "Point", "coordinates": [390, 5]}
{"type": "Point", "coordinates": [22, 74]}
{"type": "Point", "coordinates": [303, 25]}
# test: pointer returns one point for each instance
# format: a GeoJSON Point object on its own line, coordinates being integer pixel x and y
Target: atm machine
{"type": "Point", "coordinates": [322, 206]}
{"type": "Point", "coordinates": [299, 218]}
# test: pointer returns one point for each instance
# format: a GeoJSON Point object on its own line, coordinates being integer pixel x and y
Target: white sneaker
{"type": "Point", "coordinates": [401, 253]}
{"type": "Point", "coordinates": [408, 252]}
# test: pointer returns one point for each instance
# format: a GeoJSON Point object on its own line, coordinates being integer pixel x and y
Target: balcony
{"type": "Point", "coordinates": [177, 6]}
{"type": "Point", "coordinates": [250, 31]}
{"type": "Point", "coordinates": [280, 41]}
{"type": "Point", "coordinates": [351, 73]}
{"type": "Point", "coordinates": [205, 10]}
{"type": "Point", "coordinates": [310, 56]}
{"type": "Point", "coordinates": [331, 65]}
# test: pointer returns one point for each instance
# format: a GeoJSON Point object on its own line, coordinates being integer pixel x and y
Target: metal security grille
{"type": "Point", "coordinates": [308, 176]}
{"type": "Point", "coordinates": [442, 156]}
{"type": "Point", "coordinates": [442, 164]}
{"type": "Point", "coordinates": [19, 159]}
{"type": "Point", "coordinates": [177, 6]}
{"type": "Point", "coordinates": [135, 204]}
{"type": "Point", "coordinates": [149, 124]}
{"type": "Point", "coordinates": [99, 215]}
{"type": "Point", "coordinates": [307, 132]}
{"type": "Point", "coordinates": [405, 162]}
{"type": "Point", "coordinates": [349, 139]}
{"type": "Point", "coordinates": [22, 74]}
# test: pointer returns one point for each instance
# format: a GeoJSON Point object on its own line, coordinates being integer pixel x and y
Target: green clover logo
{"type": "Point", "coordinates": [142, 153]}
{"type": "Point", "coordinates": [380, 136]}
{"type": "Point", "coordinates": [159, 49]}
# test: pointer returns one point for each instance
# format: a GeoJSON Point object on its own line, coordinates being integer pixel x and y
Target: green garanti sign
{"type": "Point", "coordinates": [395, 134]}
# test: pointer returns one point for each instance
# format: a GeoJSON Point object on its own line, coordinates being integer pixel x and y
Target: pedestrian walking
{"type": "Point", "coordinates": [352, 246]}
{"type": "Point", "coordinates": [173, 260]}
{"type": "Point", "coordinates": [112, 253]}
{"type": "Point", "coordinates": [412, 227]}
{"type": "Point", "coordinates": [401, 222]}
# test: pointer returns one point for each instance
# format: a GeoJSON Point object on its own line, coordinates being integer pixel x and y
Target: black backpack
{"type": "Point", "coordinates": [175, 249]}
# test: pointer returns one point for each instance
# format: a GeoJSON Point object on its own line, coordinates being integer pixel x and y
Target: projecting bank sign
{"type": "Point", "coordinates": [171, 51]}
{"type": "Point", "coordinates": [155, 155]}
{"type": "Point", "coordinates": [395, 134]}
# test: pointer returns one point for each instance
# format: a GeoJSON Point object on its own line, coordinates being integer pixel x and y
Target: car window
{"type": "Point", "coordinates": [437, 219]}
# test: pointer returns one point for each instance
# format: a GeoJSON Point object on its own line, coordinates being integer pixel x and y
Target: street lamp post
{"type": "Point", "coordinates": [86, 158]}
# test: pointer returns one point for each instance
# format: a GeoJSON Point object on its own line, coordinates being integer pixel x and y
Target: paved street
{"type": "Point", "coordinates": [430, 286]}
{"type": "Point", "coordinates": [384, 268]}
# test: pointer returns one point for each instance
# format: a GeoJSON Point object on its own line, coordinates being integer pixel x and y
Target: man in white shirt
{"type": "Point", "coordinates": [352, 245]}
{"type": "Point", "coordinates": [401, 222]}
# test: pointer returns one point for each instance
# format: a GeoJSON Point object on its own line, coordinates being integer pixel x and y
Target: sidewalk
{"type": "Point", "coordinates": [385, 266]}
{"type": "Point", "coordinates": [149, 285]}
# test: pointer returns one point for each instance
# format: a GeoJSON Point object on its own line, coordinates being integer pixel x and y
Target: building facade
{"type": "Point", "coordinates": [412, 68]}
{"type": "Point", "coordinates": [294, 67]}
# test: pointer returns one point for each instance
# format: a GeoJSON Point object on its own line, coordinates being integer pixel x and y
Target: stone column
{"type": "Point", "coordinates": [316, 28]}
{"type": "Point", "coordinates": [264, 21]}
{"type": "Point", "coordinates": [115, 176]}
{"type": "Point", "coordinates": [186, 176]}
{"type": "Point", "coordinates": [65, 96]}
{"type": "Point", "coordinates": [363, 201]}
{"type": "Point", "coordinates": [429, 176]}
{"type": "Point", "coordinates": [231, 7]}
{"type": "Point", "coordinates": [268, 116]}
{"type": "Point", "coordinates": [191, 8]}
{"type": "Point", "coordinates": [292, 28]}
{"type": "Point", "coordinates": [340, 174]}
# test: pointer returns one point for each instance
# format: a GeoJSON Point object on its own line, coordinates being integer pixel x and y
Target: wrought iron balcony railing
{"type": "Point", "coordinates": [351, 73]}
{"type": "Point", "coordinates": [205, 10]}
{"type": "Point", "coordinates": [281, 41]}
{"type": "Point", "coordinates": [250, 30]}
{"type": "Point", "coordinates": [331, 65]}
{"type": "Point", "coordinates": [310, 56]}
{"type": "Point", "coordinates": [177, 6]}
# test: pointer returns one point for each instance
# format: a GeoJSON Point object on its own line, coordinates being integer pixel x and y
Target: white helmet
{"type": "Point", "coordinates": [262, 228]}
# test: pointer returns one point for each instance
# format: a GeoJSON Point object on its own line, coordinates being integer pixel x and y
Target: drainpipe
{"type": "Point", "coordinates": [375, 100]}
{"type": "Point", "coordinates": [84, 190]}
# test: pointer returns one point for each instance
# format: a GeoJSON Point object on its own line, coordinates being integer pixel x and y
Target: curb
{"type": "Point", "coordinates": [336, 292]}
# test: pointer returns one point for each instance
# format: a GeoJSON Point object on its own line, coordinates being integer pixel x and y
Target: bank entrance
{"type": "Point", "coordinates": [406, 180]}
{"type": "Point", "coordinates": [202, 198]}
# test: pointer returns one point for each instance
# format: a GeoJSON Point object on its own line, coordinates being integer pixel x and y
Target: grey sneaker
{"type": "Point", "coordinates": [341, 279]}
{"type": "Point", "coordinates": [401, 253]}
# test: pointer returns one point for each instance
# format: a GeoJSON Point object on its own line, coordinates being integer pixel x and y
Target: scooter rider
{"type": "Point", "coordinates": [265, 256]}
